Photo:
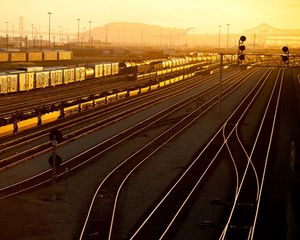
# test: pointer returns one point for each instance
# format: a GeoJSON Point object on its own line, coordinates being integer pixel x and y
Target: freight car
{"type": "Point", "coordinates": [20, 121]}
{"type": "Point", "coordinates": [153, 70]}
{"type": "Point", "coordinates": [29, 78]}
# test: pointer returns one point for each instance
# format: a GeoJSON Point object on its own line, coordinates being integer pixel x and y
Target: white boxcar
{"type": "Point", "coordinates": [42, 79]}
{"type": "Point", "coordinates": [26, 81]}
{"type": "Point", "coordinates": [56, 76]}
{"type": "Point", "coordinates": [69, 75]}
{"type": "Point", "coordinates": [98, 70]}
{"type": "Point", "coordinates": [114, 68]}
{"type": "Point", "coordinates": [3, 80]}
{"type": "Point", "coordinates": [79, 73]}
{"type": "Point", "coordinates": [8, 83]}
{"type": "Point", "coordinates": [107, 69]}
{"type": "Point", "coordinates": [3, 83]}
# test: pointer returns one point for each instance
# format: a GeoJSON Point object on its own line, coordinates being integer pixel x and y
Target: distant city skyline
{"type": "Point", "coordinates": [198, 16]}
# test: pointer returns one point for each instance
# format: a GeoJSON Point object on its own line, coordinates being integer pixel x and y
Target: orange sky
{"type": "Point", "coordinates": [203, 16]}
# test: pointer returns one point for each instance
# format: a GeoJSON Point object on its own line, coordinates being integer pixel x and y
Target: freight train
{"type": "Point", "coordinates": [20, 121]}
{"type": "Point", "coordinates": [29, 78]}
{"type": "Point", "coordinates": [166, 71]}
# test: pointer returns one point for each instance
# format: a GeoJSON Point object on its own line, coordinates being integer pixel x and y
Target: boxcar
{"type": "Point", "coordinates": [79, 73]}
{"type": "Point", "coordinates": [114, 68]}
{"type": "Point", "coordinates": [26, 81]}
{"type": "Point", "coordinates": [42, 79]}
{"type": "Point", "coordinates": [107, 69]}
{"type": "Point", "coordinates": [56, 76]}
{"type": "Point", "coordinates": [9, 83]}
{"type": "Point", "coordinates": [34, 56]}
{"type": "Point", "coordinates": [69, 75]}
{"type": "Point", "coordinates": [18, 57]}
{"type": "Point", "coordinates": [98, 68]}
{"type": "Point", "coordinates": [64, 55]}
{"type": "Point", "coordinates": [4, 56]}
{"type": "Point", "coordinates": [50, 56]}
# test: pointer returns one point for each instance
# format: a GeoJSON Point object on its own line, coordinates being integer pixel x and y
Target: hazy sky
{"type": "Point", "coordinates": [203, 15]}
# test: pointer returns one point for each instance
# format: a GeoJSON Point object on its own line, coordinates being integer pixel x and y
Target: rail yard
{"type": "Point", "coordinates": [174, 148]}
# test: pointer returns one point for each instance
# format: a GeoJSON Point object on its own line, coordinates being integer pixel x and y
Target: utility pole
{"type": "Point", "coordinates": [49, 26]}
{"type": "Point", "coordinates": [227, 34]}
{"type": "Point", "coordinates": [220, 81]}
{"type": "Point", "coordinates": [78, 19]}
{"type": "Point", "coordinates": [41, 37]}
{"type": "Point", "coordinates": [54, 43]}
{"type": "Point", "coordinates": [90, 22]}
{"type": "Point", "coordinates": [220, 36]}
{"type": "Point", "coordinates": [6, 36]}
{"type": "Point", "coordinates": [106, 36]}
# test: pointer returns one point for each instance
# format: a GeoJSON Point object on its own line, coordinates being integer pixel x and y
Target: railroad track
{"type": "Point", "coordinates": [244, 212]}
{"type": "Point", "coordinates": [25, 147]}
{"type": "Point", "coordinates": [161, 222]}
{"type": "Point", "coordinates": [77, 162]}
{"type": "Point", "coordinates": [100, 220]}
{"type": "Point", "coordinates": [48, 96]}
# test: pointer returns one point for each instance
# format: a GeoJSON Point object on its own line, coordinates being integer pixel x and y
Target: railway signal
{"type": "Point", "coordinates": [241, 49]}
{"type": "Point", "coordinates": [285, 55]}
{"type": "Point", "coordinates": [55, 160]}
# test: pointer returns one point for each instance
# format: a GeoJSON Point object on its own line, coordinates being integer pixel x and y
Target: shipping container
{"type": "Point", "coordinates": [6, 130]}
{"type": "Point", "coordinates": [134, 92]}
{"type": "Point", "coordinates": [79, 73]}
{"type": "Point", "coordinates": [42, 79]}
{"type": "Point", "coordinates": [27, 124]}
{"type": "Point", "coordinates": [69, 75]}
{"type": "Point", "coordinates": [100, 101]}
{"type": "Point", "coordinates": [107, 69]}
{"type": "Point", "coordinates": [50, 56]}
{"type": "Point", "coordinates": [34, 56]}
{"type": "Point", "coordinates": [122, 95]}
{"type": "Point", "coordinates": [4, 56]}
{"type": "Point", "coordinates": [50, 117]}
{"type": "Point", "coordinates": [111, 98]}
{"type": "Point", "coordinates": [161, 84]}
{"type": "Point", "coordinates": [71, 110]}
{"type": "Point", "coordinates": [145, 89]}
{"type": "Point", "coordinates": [64, 55]}
{"type": "Point", "coordinates": [18, 57]}
{"type": "Point", "coordinates": [87, 105]}
{"type": "Point", "coordinates": [153, 87]}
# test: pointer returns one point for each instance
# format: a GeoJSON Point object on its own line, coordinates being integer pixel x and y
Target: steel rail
{"type": "Point", "coordinates": [181, 177]}
{"type": "Point", "coordinates": [81, 154]}
{"type": "Point", "coordinates": [44, 147]}
{"type": "Point", "coordinates": [89, 212]}
{"type": "Point", "coordinates": [223, 235]}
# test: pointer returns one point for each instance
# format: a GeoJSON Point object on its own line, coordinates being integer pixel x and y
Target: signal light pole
{"type": "Point", "coordinates": [285, 55]}
{"type": "Point", "coordinates": [241, 49]}
{"type": "Point", "coordinates": [49, 27]}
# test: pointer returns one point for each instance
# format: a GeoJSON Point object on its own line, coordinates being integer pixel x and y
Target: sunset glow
{"type": "Point", "coordinates": [203, 16]}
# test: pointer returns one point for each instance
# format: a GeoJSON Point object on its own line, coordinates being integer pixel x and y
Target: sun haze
{"type": "Point", "coordinates": [203, 16]}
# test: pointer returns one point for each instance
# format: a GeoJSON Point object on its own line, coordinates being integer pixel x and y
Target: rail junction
{"type": "Point", "coordinates": [189, 160]}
